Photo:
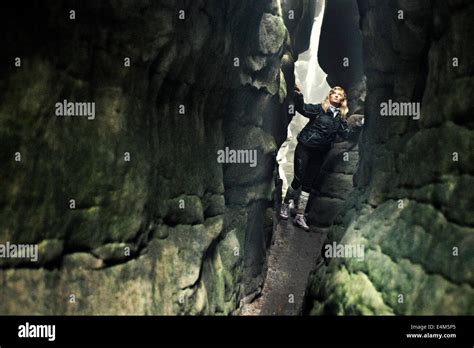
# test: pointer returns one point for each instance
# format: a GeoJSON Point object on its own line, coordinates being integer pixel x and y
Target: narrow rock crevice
{"type": "Point", "coordinates": [182, 81]}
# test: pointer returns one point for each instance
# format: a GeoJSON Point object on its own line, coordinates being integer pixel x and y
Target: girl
{"type": "Point", "coordinates": [326, 120]}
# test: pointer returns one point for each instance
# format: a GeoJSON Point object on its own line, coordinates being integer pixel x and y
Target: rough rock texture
{"type": "Point", "coordinates": [171, 231]}
{"type": "Point", "coordinates": [334, 183]}
{"type": "Point", "coordinates": [340, 49]}
{"type": "Point", "coordinates": [412, 205]}
{"type": "Point", "coordinates": [312, 81]}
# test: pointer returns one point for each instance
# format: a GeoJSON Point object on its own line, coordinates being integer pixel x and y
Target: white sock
{"type": "Point", "coordinates": [303, 201]}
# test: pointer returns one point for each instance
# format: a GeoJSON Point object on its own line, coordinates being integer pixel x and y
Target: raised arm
{"type": "Point", "coordinates": [307, 110]}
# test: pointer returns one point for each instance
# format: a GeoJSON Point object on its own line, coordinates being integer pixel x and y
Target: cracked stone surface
{"type": "Point", "coordinates": [171, 231]}
{"type": "Point", "coordinates": [412, 204]}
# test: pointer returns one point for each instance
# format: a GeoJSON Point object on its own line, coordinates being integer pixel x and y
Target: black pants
{"type": "Point", "coordinates": [307, 164]}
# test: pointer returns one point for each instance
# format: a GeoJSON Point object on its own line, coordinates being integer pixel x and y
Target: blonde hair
{"type": "Point", "coordinates": [344, 109]}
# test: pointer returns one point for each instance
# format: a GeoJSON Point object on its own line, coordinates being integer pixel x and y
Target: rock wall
{"type": "Point", "coordinates": [340, 55]}
{"type": "Point", "coordinates": [412, 204]}
{"type": "Point", "coordinates": [131, 210]}
{"type": "Point", "coordinates": [312, 81]}
{"type": "Point", "coordinates": [340, 49]}
{"type": "Point", "coordinates": [335, 181]}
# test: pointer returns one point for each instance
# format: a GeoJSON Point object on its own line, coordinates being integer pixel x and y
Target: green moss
{"type": "Point", "coordinates": [353, 294]}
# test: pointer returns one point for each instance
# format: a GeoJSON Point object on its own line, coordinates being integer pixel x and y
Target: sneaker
{"type": "Point", "coordinates": [300, 221]}
{"type": "Point", "coordinates": [284, 211]}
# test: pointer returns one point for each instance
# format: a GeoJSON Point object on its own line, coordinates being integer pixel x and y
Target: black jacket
{"type": "Point", "coordinates": [322, 128]}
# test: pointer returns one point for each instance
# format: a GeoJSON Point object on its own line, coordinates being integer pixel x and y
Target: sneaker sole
{"type": "Point", "coordinates": [300, 227]}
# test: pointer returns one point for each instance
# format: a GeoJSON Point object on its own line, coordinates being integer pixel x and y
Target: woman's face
{"type": "Point", "coordinates": [336, 97]}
